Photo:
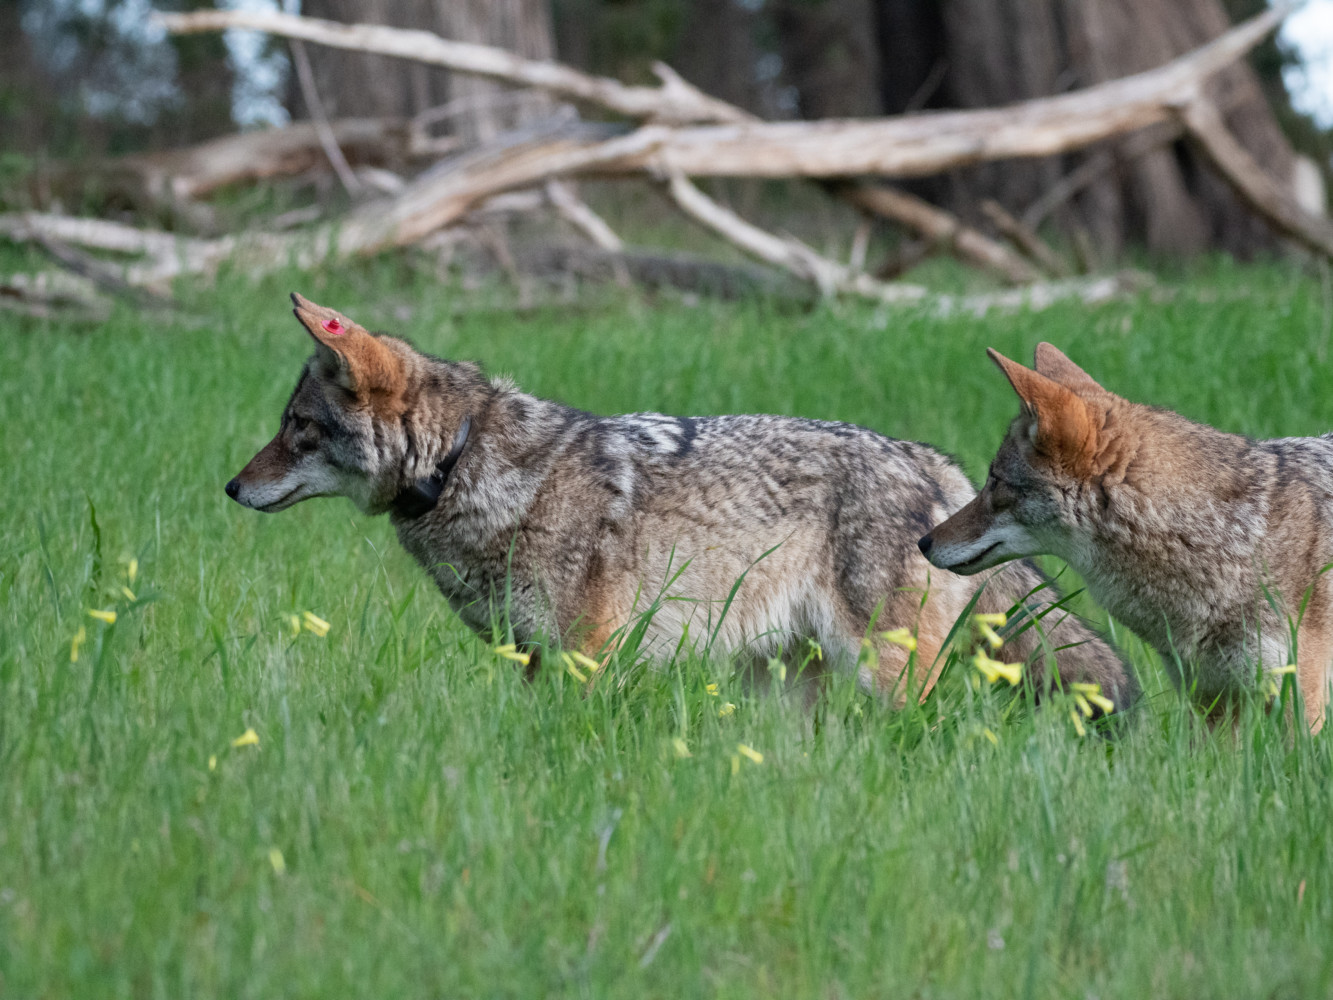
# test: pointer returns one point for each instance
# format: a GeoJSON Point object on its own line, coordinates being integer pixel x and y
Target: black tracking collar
{"type": "Point", "coordinates": [422, 496]}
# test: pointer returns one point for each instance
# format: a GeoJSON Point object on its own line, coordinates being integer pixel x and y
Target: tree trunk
{"type": "Point", "coordinates": [830, 48]}
{"type": "Point", "coordinates": [997, 51]}
{"type": "Point", "coordinates": [522, 27]}
{"type": "Point", "coordinates": [354, 85]}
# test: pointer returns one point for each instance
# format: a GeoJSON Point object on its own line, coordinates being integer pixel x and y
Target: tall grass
{"type": "Point", "coordinates": [415, 820]}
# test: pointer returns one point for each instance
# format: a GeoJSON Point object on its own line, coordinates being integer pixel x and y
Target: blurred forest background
{"type": "Point", "coordinates": [91, 87]}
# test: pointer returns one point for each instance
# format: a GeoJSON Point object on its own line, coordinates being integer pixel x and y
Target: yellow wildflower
{"type": "Point", "coordinates": [510, 652]}
{"type": "Point", "coordinates": [990, 635]}
{"type": "Point", "coordinates": [711, 689]}
{"type": "Point", "coordinates": [276, 859]}
{"type": "Point", "coordinates": [750, 752]}
{"type": "Point", "coordinates": [1078, 723]}
{"type": "Point", "coordinates": [818, 650]}
{"type": "Point", "coordinates": [1093, 694]}
{"type": "Point", "coordinates": [726, 709]}
{"type": "Point", "coordinates": [900, 637]}
{"type": "Point", "coordinates": [249, 738]}
{"type": "Point", "coordinates": [995, 740]}
{"type": "Point", "coordinates": [315, 624]}
{"type": "Point", "coordinates": [586, 662]}
{"type": "Point", "coordinates": [103, 616]}
{"type": "Point", "coordinates": [80, 637]}
{"type": "Point", "coordinates": [129, 594]}
{"type": "Point", "coordinates": [294, 625]}
{"type": "Point", "coordinates": [681, 747]}
{"type": "Point", "coordinates": [572, 669]}
{"type": "Point", "coordinates": [1272, 686]}
{"type": "Point", "coordinates": [996, 620]}
{"type": "Point", "coordinates": [869, 655]}
{"type": "Point", "coordinates": [993, 670]}
{"type": "Point", "coordinates": [132, 570]}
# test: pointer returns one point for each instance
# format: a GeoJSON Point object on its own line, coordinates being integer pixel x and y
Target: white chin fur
{"type": "Point", "coordinates": [994, 547]}
{"type": "Point", "coordinates": [290, 490]}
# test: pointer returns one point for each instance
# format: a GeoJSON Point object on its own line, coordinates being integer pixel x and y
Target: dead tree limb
{"type": "Point", "coordinates": [327, 140]}
{"type": "Point", "coordinates": [1205, 126]}
{"type": "Point", "coordinates": [675, 101]}
{"type": "Point", "coordinates": [198, 171]}
{"type": "Point", "coordinates": [791, 255]}
{"type": "Point", "coordinates": [98, 272]}
{"type": "Point", "coordinates": [1092, 169]}
{"type": "Point", "coordinates": [905, 146]}
{"type": "Point", "coordinates": [576, 211]}
{"type": "Point", "coordinates": [941, 228]}
{"type": "Point", "coordinates": [1028, 242]}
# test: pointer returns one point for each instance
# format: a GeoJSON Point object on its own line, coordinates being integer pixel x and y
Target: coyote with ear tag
{"type": "Point", "coordinates": [1208, 545]}
{"type": "Point", "coordinates": [570, 524]}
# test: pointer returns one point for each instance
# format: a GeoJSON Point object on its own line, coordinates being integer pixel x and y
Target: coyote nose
{"type": "Point", "coordinates": [924, 543]}
{"type": "Point", "coordinates": [233, 488]}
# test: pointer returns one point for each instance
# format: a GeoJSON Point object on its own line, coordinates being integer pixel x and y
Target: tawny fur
{"type": "Point", "coordinates": [570, 525]}
{"type": "Point", "coordinates": [1206, 544]}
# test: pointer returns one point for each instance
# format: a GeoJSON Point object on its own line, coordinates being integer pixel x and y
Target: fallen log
{"type": "Point", "coordinates": [675, 101]}
{"type": "Point", "coordinates": [791, 255]}
{"type": "Point", "coordinates": [198, 171]}
{"type": "Point", "coordinates": [905, 146]}
{"type": "Point", "coordinates": [1205, 126]}
{"type": "Point", "coordinates": [941, 229]}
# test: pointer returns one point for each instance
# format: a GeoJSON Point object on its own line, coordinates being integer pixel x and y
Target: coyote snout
{"type": "Point", "coordinates": [976, 538]}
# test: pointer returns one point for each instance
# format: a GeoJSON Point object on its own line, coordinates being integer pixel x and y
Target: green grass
{"type": "Point", "coordinates": [448, 830]}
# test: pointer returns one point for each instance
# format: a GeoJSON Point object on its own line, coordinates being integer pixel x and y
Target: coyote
{"type": "Point", "coordinates": [567, 525]}
{"type": "Point", "coordinates": [1210, 546]}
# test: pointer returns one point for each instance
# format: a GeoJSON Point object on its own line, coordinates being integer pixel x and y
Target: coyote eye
{"type": "Point", "coordinates": [306, 433]}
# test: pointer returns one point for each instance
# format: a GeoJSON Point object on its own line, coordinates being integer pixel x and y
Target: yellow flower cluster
{"type": "Point", "coordinates": [509, 651]}
{"type": "Point", "coordinates": [993, 670]}
{"type": "Point", "coordinates": [573, 661]}
{"type": "Point", "coordinates": [1272, 683]}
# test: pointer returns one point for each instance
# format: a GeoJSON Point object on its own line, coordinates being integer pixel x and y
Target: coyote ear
{"type": "Point", "coordinates": [356, 358]}
{"type": "Point", "coordinates": [1052, 363]}
{"type": "Point", "coordinates": [1062, 426]}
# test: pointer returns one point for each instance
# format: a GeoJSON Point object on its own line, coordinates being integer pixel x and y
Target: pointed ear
{"type": "Point", "coordinates": [1052, 363]}
{"type": "Point", "coordinates": [1063, 427]}
{"type": "Point", "coordinates": [355, 357]}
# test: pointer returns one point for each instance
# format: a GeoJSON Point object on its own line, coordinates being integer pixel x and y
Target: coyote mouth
{"type": "Point", "coordinates": [975, 562]}
{"type": "Point", "coordinates": [276, 505]}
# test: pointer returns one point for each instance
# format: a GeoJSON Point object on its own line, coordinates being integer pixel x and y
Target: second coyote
{"type": "Point", "coordinates": [1211, 546]}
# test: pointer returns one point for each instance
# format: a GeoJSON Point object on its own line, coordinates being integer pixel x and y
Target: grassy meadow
{"type": "Point", "coordinates": [414, 820]}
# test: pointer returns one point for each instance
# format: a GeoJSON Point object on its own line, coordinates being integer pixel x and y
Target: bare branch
{"type": "Point", "coordinates": [828, 276]}
{"type": "Point", "coordinates": [310, 94]}
{"type": "Point", "coordinates": [669, 103]}
{"type": "Point", "coordinates": [1205, 126]}
{"type": "Point", "coordinates": [576, 211]}
{"type": "Point", "coordinates": [906, 146]}
{"type": "Point", "coordinates": [941, 228]}
{"type": "Point", "coordinates": [1025, 239]}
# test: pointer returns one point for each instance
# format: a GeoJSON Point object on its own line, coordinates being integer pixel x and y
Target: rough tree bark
{"type": "Point", "coordinates": [984, 53]}
{"type": "Point", "coordinates": [354, 84]}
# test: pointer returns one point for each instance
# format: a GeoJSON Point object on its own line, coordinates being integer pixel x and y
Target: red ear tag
{"type": "Point", "coordinates": [333, 327]}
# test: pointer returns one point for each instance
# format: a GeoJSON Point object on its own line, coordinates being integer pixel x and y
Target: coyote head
{"type": "Point", "coordinates": [1054, 451]}
{"type": "Point", "coordinates": [347, 430]}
